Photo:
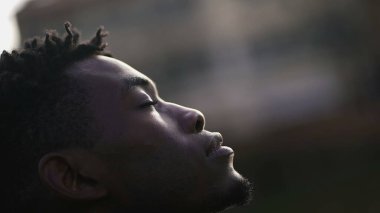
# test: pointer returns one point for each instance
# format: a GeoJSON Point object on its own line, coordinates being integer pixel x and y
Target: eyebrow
{"type": "Point", "coordinates": [133, 82]}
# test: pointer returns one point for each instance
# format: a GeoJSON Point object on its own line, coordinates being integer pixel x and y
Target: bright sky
{"type": "Point", "coordinates": [9, 30]}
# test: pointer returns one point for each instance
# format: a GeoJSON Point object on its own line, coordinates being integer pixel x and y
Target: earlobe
{"type": "Point", "coordinates": [60, 173]}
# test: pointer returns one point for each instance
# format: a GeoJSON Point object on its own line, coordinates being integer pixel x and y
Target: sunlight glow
{"type": "Point", "coordinates": [9, 30]}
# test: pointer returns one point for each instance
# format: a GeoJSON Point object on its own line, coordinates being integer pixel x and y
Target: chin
{"type": "Point", "coordinates": [236, 191]}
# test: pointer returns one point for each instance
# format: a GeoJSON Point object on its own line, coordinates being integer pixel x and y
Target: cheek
{"type": "Point", "coordinates": [182, 158]}
{"type": "Point", "coordinates": [167, 153]}
{"type": "Point", "coordinates": [147, 127]}
{"type": "Point", "coordinates": [159, 145]}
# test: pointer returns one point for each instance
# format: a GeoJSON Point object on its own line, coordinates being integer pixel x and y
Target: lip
{"type": "Point", "coordinates": [223, 151]}
{"type": "Point", "coordinates": [215, 148]}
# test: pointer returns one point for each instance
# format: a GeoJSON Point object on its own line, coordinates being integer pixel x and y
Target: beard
{"type": "Point", "coordinates": [239, 192]}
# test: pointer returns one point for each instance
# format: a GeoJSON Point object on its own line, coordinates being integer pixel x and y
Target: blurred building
{"type": "Point", "coordinates": [253, 63]}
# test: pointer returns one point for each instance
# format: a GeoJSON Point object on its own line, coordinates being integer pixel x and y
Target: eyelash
{"type": "Point", "coordinates": [148, 104]}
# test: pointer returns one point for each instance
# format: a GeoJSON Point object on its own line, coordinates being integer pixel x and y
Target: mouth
{"type": "Point", "coordinates": [215, 148]}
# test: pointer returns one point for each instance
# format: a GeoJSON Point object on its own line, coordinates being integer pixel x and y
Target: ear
{"type": "Point", "coordinates": [63, 174]}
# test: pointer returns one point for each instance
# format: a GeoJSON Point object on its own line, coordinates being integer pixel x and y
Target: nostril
{"type": "Point", "coordinates": [199, 124]}
{"type": "Point", "coordinates": [192, 121]}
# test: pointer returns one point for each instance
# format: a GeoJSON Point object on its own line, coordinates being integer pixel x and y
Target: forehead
{"type": "Point", "coordinates": [103, 67]}
{"type": "Point", "coordinates": [101, 74]}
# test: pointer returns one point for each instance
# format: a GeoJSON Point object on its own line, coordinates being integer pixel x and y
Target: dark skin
{"type": "Point", "coordinates": [151, 155]}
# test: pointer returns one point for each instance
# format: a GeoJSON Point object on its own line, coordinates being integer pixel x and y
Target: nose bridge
{"type": "Point", "coordinates": [189, 119]}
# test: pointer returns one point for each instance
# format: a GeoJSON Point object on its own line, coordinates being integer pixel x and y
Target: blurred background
{"type": "Point", "coordinates": [293, 85]}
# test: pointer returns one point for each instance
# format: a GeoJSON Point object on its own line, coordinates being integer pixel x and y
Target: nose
{"type": "Point", "coordinates": [190, 120]}
{"type": "Point", "coordinates": [194, 121]}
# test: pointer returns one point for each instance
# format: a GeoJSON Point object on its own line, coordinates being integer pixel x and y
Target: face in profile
{"type": "Point", "coordinates": [151, 153]}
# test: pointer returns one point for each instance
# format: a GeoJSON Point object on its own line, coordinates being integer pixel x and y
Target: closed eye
{"type": "Point", "coordinates": [148, 104]}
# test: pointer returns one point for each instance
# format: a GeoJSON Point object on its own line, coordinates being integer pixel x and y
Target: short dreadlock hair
{"type": "Point", "coordinates": [41, 108]}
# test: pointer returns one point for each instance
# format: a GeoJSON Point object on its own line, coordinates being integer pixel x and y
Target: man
{"type": "Point", "coordinates": [84, 132]}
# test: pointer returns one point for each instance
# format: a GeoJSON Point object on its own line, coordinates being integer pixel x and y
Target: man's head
{"type": "Point", "coordinates": [95, 133]}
